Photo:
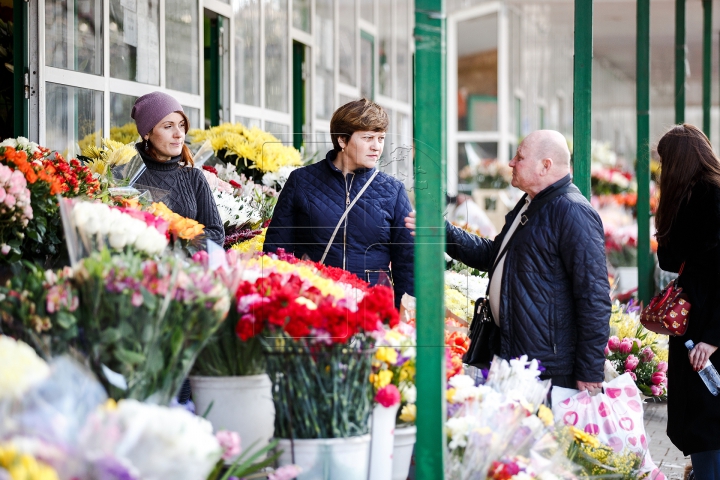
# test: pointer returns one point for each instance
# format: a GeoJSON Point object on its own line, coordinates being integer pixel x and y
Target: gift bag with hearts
{"type": "Point", "coordinates": [615, 416]}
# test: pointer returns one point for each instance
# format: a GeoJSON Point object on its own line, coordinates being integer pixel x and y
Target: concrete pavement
{"type": "Point", "coordinates": [669, 459]}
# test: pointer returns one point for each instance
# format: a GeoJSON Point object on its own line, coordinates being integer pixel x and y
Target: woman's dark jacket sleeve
{"type": "Point", "coordinates": [207, 210]}
{"type": "Point", "coordinates": [281, 232]}
{"type": "Point", "coordinates": [402, 248]}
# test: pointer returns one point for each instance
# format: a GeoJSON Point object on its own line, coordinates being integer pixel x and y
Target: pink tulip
{"type": "Point", "coordinates": [662, 367]}
{"type": "Point", "coordinates": [10, 200]}
{"type": "Point", "coordinates": [607, 351]}
{"type": "Point", "coordinates": [637, 342]}
{"type": "Point", "coordinates": [229, 442]}
{"type": "Point", "coordinates": [647, 354]}
{"type": "Point", "coordinates": [656, 390]}
{"type": "Point", "coordinates": [626, 345]}
{"type": "Point", "coordinates": [287, 472]}
{"type": "Point", "coordinates": [613, 343]}
{"type": "Point", "coordinates": [632, 374]}
{"type": "Point", "coordinates": [631, 363]}
{"type": "Point", "coordinates": [658, 378]}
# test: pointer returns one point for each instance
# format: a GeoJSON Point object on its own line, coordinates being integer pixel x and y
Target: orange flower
{"type": "Point", "coordinates": [185, 228]}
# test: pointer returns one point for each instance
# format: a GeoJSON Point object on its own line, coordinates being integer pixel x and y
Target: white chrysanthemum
{"type": "Point", "coordinates": [408, 392]}
{"type": "Point", "coordinates": [458, 429]}
{"type": "Point", "coordinates": [278, 178]}
{"type": "Point", "coordinates": [20, 368]}
{"type": "Point", "coordinates": [471, 286]}
{"type": "Point", "coordinates": [9, 142]}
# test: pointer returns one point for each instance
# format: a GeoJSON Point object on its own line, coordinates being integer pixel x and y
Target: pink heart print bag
{"type": "Point", "coordinates": [615, 416]}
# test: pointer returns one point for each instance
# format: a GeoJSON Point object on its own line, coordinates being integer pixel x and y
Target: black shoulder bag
{"type": "Point", "coordinates": [484, 333]}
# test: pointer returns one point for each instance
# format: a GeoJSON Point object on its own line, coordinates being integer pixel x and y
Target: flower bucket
{"type": "Point", "coordinates": [381, 448]}
{"type": "Point", "coordinates": [240, 404]}
{"type": "Point", "coordinates": [328, 458]}
{"type": "Point", "coordinates": [403, 444]}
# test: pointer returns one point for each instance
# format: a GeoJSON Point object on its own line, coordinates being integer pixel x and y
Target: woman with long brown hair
{"type": "Point", "coordinates": [162, 124]}
{"type": "Point", "coordinates": [688, 234]}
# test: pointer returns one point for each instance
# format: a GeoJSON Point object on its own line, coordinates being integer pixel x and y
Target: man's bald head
{"type": "Point", "coordinates": [550, 144]}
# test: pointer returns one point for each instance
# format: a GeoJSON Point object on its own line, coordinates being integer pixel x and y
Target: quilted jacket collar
{"type": "Point", "coordinates": [330, 158]}
{"type": "Point", "coordinates": [560, 183]}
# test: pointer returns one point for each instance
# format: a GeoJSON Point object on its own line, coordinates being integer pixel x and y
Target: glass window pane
{"type": "Point", "coordinates": [248, 122]}
{"type": "Point", "coordinates": [366, 10]}
{"type": "Point", "coordinates": [73, 116]}
{"type": "Point", "coordinates": [346, 42]}
{"type": "Point", "coordinates": [247, 51]}
{"type": "Point", "coordinates": [193, 115]}
{"type": "Point", "coordinates": [301, 15]}
{"type": "Point", "coordinates": [478, 167]}
{"type": "Point", "coordinates": [324, 59]}
{"type": "Point", "coordinates": [367, 66]}
{"type": "Point", "coordinates": [122, 126]}
{"type": "Point", "coordinates": [182, 67]}
{"type": "Point", "coordinates": [385, 52]}
{"type": "Point", "coordinates": [318, 144]}
{"type": "Point", "coordinates": [135, 40]}
{"type": "Point", "coordinates": [345, 99]}
{"type": "Point", "coordinates": [276, 55]}
{"type": "Point", "coordinates": [73, 35]}
{"type": "Point", "coordinates": [477, 73]}
{"type": "Point", "coordinates": [403, 149]}
{"type": "Point", "coordinates": [386, 162]}
{"type": "Point", "coordinates": [402, 65]}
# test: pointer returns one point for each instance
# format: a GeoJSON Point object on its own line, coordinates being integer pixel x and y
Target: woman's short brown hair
{"type": "Point", "coordinates": [358, 115]}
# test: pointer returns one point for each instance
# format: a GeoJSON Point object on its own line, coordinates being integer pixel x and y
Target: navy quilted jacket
{"type": "Point", "coordinates": [555, 303]}
{"type": "Point", "coordinates": [372, 238]}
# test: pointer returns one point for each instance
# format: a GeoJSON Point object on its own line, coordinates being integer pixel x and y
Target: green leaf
{"type": "Point", "coordinates": [177, 341]}
{"type": "Point", "coordinates": [126, 356]}
{"type": "Point", "coordinates": [110, 335]}
{"type": "Point", "coordinates": [65, 319]}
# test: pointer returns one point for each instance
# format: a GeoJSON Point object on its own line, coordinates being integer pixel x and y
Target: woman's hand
{"type": "Point", "coordinates": [700, 355]}
{"type": "Point", "coordinates": [410, 222]}
{"type": "Point", "coordinates": [593, 388]}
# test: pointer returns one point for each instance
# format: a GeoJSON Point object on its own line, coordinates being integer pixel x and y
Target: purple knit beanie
{"type": "Point", "coordinates": [151, 108]}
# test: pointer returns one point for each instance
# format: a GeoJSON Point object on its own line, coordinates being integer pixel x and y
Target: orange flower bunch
{"type": "Point", "coordinates": [185, 228]}
{"type": "Point", "coordinates": [32, 171]}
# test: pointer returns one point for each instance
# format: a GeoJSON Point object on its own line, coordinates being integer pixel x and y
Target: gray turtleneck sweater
{"type": "Point", "coordinates": [188, 195]}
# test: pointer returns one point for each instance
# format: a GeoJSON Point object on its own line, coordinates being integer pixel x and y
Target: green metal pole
{"type": "Point", "coordinates": [679, 61]}
{"type": "Point", "coordinates": [20, 110]}
{"type": "Point", "coordinates": [582, 95]}
{"type": "Point", "coordinates": [707, 64]}
{"type": "Point", "coordinates": [430, 121]}
{"type": "Point", "coordinates": [645, 261]}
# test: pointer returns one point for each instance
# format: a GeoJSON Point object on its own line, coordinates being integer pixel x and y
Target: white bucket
{"type": "Point", "coordinates": [381, 450]}
{"type": "Point", "coordinates": [402, 451]}
{"type": "Point", "coordinates": [239, 404]}
{"type": "Point", "coordinates": [328, 458]}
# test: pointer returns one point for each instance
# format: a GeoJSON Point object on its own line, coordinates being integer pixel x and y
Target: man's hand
{"type": "Point", "coordinates": [410, 222]}
{"type": "Point", "coordinates": [592, 387]}
{"type": "Point", "coordinates": [700, 355]}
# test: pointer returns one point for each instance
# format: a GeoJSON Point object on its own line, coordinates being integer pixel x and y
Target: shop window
{"type": "Point", "coordinates": [276, 55]}
{"type": "Point", "coordinates": [367, 65]}
{"type": "Point", "coordinates": [280, 130]}
{"type": "Point", "coordinates": [182, 68]}
{"type": "Point", "coordinates": [301, 15]}
{"type": "Point", "coordinates": [122, 126]}
{"type": "Point", "coordinates": [346, 42]}
{"type": "Point", "coordinates": [247, 51]}
{"type": "Point", "coordinates": [193, 115]}
{"type": "Point", "coordinates": [135, 40]}
{"type": "Point", "coordinates": [402, 54]}
{"type": "Point", "coordinates": [385, 50]}
{"type": "Point", "coordinates": [73, 116]}
{"type": "Point", "coordinates": [74, 35]}
{"type": "Point", "coordinates": [248, 122]}
{"type": "Point", "coordinates": [367, 10]}
{"type": "Point", "coordinates": [324, 59]}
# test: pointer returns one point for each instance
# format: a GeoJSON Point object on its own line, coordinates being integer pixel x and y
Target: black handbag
{"type": "Point", "coordinates": [484, 333]}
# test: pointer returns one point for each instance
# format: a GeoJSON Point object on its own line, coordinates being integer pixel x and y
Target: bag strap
{"type": "Point", "coordinates": [532, 209]}
{"type": "Point", "coordinates": [344, 215]}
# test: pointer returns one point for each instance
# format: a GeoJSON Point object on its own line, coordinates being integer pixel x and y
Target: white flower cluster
{"type": "Point", "coordinates": [465, 389]}
{"type": "Point", "coordinates": [472, 286]}
{"type": "Point", "coordinates": [518, 379]}
{"type": "Point", "coordinates": [458, 429]}
{"type": "Point", "coordinates": [152, 441]}
{"type": "Point", "coordinates": [235, 211]}
{"type": "Point", "coordinates": [20, 368]}
{"type": "Point", "coordinates": [21, 143]}
{"type": "Point", "coordinates": [119, 229]}
{"type": "Point", "coordinates": [271, 179]}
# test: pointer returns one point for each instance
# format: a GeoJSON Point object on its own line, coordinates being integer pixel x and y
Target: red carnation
{"type": "Point", "coordinates": [210, 169]}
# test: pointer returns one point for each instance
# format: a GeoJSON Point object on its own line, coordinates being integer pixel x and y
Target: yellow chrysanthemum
{"type": "Point", "coordinates": [98, 166]}
{"type": "Point", "coordinates": [382, 379]}
{"type": "Point", "coordinates": [407, 372]}
{"type": "Point", "coordinates": [125, 134]}
{"type": "Point", "coordinates": [458, 304]}
{"type": "Point", "coordinates": [255, 244]}
{"type": "Point", "coordinates": [585, 438]}
{"type": "Point", "coordinates": [546, 415]}
{"type": "Point", "coordinates": [387, 355]}
{"type": "Point", "coordinates": [92, 151]}
{"type": "Point", "coordinates": [121, 155]}
{"type": "Point", "coordinates": [408, 413]}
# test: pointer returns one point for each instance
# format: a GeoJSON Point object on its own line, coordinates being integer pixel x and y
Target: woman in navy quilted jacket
{"type": "Point", "coordinates": [344, 212]}
{"type": "Point", "coordinates": [688, 231]}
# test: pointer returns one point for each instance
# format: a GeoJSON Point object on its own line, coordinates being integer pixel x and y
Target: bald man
{"type": "Point", "coordinates": [549, 292]}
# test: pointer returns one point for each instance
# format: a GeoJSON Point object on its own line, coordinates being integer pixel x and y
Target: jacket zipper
{"type": "Point", "coordinates": [347, 204]}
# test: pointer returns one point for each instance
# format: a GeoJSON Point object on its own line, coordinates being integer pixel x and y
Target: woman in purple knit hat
{"type": "Point", "coordinates": [162, 124]}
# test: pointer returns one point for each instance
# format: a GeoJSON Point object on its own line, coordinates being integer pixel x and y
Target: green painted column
{"type": "Point", "coordinates": [679, 61]}
{"type": "Point", "coordinates": [582, 95]}
{"type": "Point", "coordinates": [21, 105]}
{"type": "Point", "coordinates": [430, 111]}
{"type": "Point", "coordinates": [707, 64]}
{"type": "Point", "coordinates": [645, 259]}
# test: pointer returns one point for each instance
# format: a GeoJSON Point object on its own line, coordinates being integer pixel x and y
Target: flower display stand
{"type": "Point", "coordinates": [240, 404]}
{"type": "Point", "coordinates": [381, 450]}
{"type": "Point", "coordinates": [404, 441]}
{"type": "Point", "coordinates": [328, 458]}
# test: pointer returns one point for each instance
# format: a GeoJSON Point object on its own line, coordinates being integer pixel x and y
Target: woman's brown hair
{"type": "Point", "coordinates": [358, 115]}
{"type": "Point", "coordinates": [686, 157]}
{"type": "Point", "coordinates": [185, 157]}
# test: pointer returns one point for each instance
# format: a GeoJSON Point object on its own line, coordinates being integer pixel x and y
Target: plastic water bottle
{"type": "Point", "coordinates": [709, 374]}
